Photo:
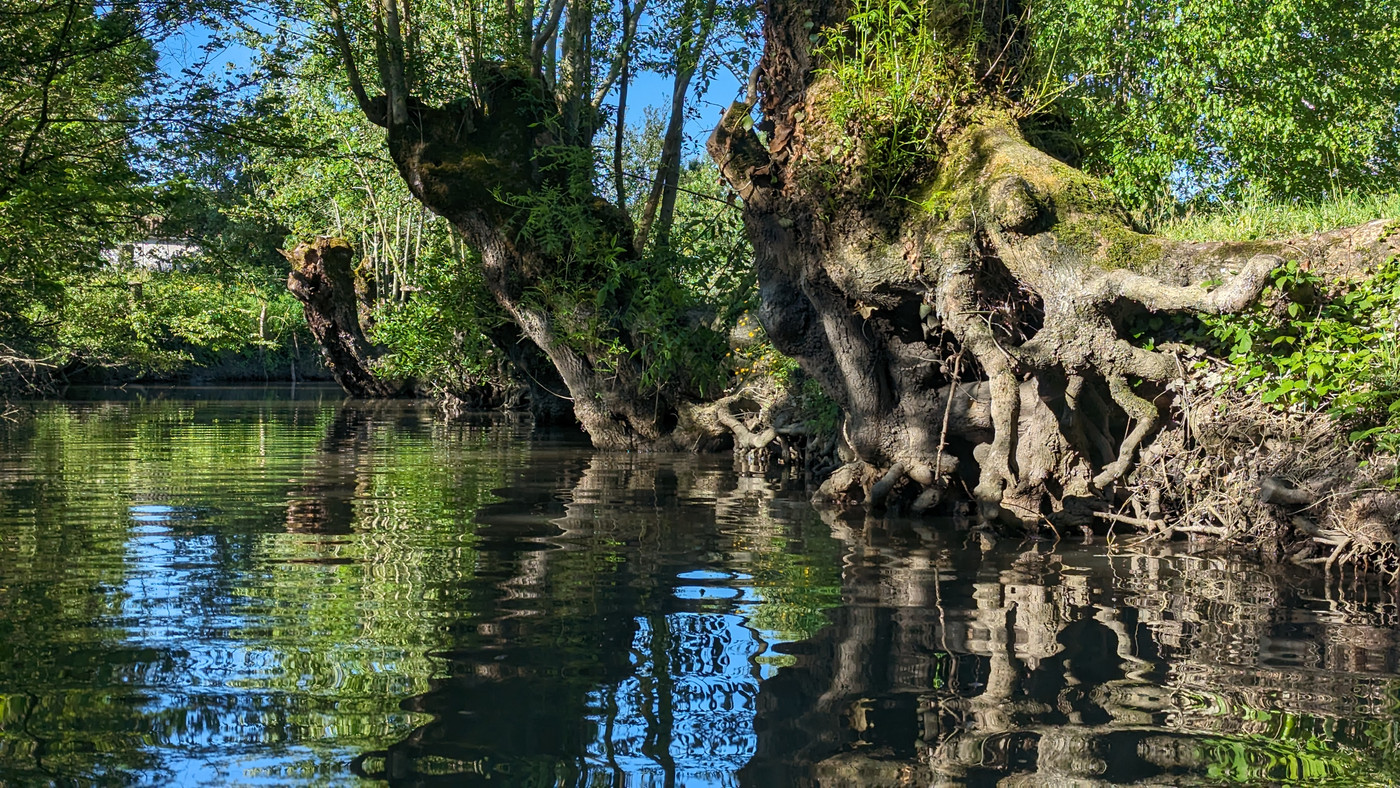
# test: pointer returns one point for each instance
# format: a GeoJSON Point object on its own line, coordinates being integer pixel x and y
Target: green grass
{"type": "Point", "coordinates": [1251, 220]}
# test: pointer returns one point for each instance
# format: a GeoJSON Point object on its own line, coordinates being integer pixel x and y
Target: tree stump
{"type": "Point", "coordinates": [323, 279]}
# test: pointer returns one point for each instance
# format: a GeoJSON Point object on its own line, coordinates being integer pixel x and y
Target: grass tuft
{"type": "Point", "coordinates": [1254, 219]}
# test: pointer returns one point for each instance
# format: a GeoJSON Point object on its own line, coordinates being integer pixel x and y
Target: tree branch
{"type": "Point", "coordinates": [396, 80]}
{"type": "Point", "coordinates": [661, 203]}
{"type": "Point", "coordinates": [623, 60]}
{"type": "Point", "coordinates": [352, 70]}
{"type": "Point", "coordinates": [743, 161]}
{"type": "Point", "coordinates": [546, 31]}
{"type": "Point", "coordinates": [45, 89]}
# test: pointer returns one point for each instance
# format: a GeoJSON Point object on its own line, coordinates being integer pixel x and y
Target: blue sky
{"type": "Point", "coordinates": [648, 89]}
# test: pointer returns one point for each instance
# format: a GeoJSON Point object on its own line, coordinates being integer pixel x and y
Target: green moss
{"type": "Point", "coordinates": [1108, 242]}
{"type": "Point", "coordinates": [938, 204]}
{"type": "Point", "coordinates": [465, 180]}
{"type": "Point", "coordinates": [1079, 236]}
{"type": "Point", "coordinates": [1076, 192]}
{"type": "Point", "coordinates": [1132, 251]}
{"type": "Point", "coordinates": [957, 178]}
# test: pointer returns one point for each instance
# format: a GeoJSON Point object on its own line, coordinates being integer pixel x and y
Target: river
{"type": "Point", "coordinates": [266, 586]}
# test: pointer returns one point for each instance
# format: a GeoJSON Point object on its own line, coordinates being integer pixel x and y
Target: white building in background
{"type": "Point", "coordinates": [156, 254]}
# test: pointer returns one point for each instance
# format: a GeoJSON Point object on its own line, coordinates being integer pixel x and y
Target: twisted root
{"type": "Point", "coordinates": [1079, 342]}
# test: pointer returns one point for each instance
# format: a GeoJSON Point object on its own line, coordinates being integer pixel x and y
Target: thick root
{"type": "Point", "coordinates": [1014, 276]}
{"type": "Point", "coordinates": [763, 424]}
{"type": "Point", "coordinates": [1145, 416]}
{"type": "Point", "coordinates": [1079, 344]}
{"type": "Point", "coordinates": [848, 486]}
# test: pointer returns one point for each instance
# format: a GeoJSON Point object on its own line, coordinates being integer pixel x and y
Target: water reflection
{"type": "Point", "coordinates": [165, 619]}
{"type": "Point", "coordinates": [635, 613]}
{"type": "Point", "coordinates": [1022, 665]}
{"type": "Point", "coordinates": [272, 591]}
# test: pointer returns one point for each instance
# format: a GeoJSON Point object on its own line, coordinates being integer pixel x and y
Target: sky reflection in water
{"type": "Point", "coordinates": [258, 590]}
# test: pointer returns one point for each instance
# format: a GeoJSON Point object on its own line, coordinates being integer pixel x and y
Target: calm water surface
{"type": "Point", "coordinates": [250, 587]}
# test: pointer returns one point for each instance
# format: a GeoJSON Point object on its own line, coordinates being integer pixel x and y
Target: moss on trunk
{"type": "Point", "coordinates": [989, 264]}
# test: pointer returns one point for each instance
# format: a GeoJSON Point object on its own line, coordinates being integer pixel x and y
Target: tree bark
{"type": "Point", "coordinates": [484, 168]}
{"type": "Point", "coordinates": [323, 279]}
{"type": "Point", "coordinates": [993, 271]}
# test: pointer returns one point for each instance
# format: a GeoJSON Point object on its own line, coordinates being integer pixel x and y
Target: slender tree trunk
{"type": "Point", "coordinates": [620, 131]}
{"type": "Point", "coordinates": [663, 187]}
{"type": "Point", "coordinates": [659, 213]}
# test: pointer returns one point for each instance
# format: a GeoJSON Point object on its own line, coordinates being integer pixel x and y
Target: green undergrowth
{"type": "Point", "coordinates": [660, 313]}
{"type": "Point", "coordinates": [124, 323]}
{"type": "Point", "coordinates": [1310, 344]}
{"type": "Point", "coordinates": [626, 316]}
{"type": "Point", "coordinates": [1253, 219]}
{"type": "Point", "coordinates": [440, 336]}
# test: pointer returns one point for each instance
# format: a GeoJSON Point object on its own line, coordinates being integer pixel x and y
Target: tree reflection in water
{"type": "Point", "coordinates": [635, 632]}
{"type": "Point", "coordinates": [628, 628]}
{"type": "Point", "coordinates": [1021, 666]}
{"type": "Point", "coordinates": [282, 592]}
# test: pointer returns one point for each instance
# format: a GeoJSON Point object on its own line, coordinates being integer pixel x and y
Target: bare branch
{"type": "Point", "coordinates": [352, 70]}
{"type": "Point", "coordinates": [547, 30]}
{"type": "Point", "coordinates": [624, 55]}
{"type": "Point", "coordinates": [751, 93]}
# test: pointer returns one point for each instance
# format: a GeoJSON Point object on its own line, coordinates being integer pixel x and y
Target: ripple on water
{"type": "Point", "coordinates": [276, 592]}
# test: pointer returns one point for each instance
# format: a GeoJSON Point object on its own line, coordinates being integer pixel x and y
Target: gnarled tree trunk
{"type": "Point", "coordinates": [969, 318]}
{"type": "Point", "coordinates": [510, 165]}
{"type": "Point", "coordinates": [323, 279]}
{"type": "Point", "coordinates": [483, 168]}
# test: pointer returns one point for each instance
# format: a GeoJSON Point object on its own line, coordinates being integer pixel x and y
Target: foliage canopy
{"type": "Point", "coordinates": [1208, 101]}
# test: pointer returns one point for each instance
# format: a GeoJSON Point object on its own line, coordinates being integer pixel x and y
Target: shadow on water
{"type": "Point", "coordinates": [250, 590]}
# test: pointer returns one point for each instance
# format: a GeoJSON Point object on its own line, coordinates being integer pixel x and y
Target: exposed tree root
{"type": "Point", "coordinates": [978, 342]}
{"type": "Point", "coordinates": [765, 426]}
